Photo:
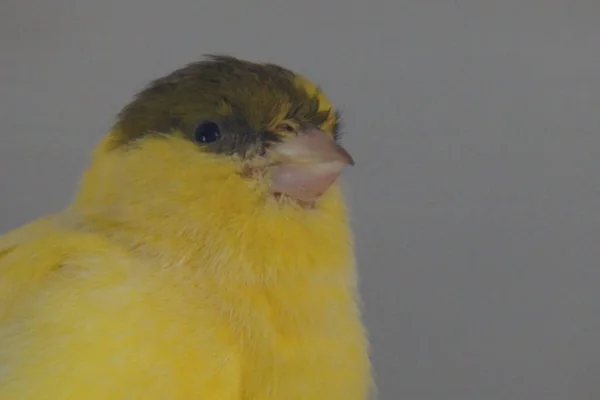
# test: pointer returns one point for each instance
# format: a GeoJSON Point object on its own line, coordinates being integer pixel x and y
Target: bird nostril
{"type": "Point", "coordinates": [285, 127]}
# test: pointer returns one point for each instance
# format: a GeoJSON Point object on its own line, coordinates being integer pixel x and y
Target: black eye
{"type": "Point", "coordinates": [207, 132]}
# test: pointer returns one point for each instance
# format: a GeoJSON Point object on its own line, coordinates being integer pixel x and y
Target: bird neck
{"type": "Point", "coordinates": [232, 233]}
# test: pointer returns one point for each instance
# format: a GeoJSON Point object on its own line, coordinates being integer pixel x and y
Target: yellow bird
{"type": "Point", "coordinates": [207, 254]}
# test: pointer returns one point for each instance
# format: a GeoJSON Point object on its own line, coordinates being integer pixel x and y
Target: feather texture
{"type": "Point", "coordinates": [172, 276]}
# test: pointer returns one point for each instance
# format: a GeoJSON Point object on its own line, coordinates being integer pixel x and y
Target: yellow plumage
{"type": "Point", "coordinates": [174, 276]}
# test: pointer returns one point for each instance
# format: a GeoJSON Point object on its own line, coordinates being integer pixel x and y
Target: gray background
{"type": "Point", "coordinates": [475, 126]}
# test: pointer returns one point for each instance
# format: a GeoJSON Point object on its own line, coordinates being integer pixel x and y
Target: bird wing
{"type": "Point", "coordinates": [12, 274]}
{"type": "Point", "coordinates": [25, 233]}
{"type": "Point", "coordinates": [80, 318]}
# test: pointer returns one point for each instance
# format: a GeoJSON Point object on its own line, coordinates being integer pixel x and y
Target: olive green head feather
{"type": "Point", "coordinates": [242, 104]}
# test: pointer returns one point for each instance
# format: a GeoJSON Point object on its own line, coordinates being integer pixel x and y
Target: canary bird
{"type": "Point", "coordinates": [207, 253]}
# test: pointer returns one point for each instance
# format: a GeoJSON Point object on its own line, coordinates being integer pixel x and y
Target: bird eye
{"type": "Point", "coordinates": [207, 132]}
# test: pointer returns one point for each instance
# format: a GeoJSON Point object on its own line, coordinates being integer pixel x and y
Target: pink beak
{"type": "Point", "coordinates": [306, 165]}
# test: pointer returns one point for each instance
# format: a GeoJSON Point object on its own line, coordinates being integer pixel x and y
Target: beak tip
{"type": "Point", "coordinates": [348, 159]}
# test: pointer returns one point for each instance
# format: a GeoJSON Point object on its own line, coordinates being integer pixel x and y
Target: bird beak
{"type": "Point", "coordinates": [307, 164]}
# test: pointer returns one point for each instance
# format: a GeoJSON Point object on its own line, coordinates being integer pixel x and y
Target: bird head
{"type": "Point", "coordinates": [223, 130]}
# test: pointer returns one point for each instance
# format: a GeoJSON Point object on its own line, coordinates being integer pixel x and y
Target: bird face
{"type": "Point", "coordinates": [273, 124]}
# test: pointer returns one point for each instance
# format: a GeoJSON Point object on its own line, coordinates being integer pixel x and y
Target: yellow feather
{"type": "Point", "coordinates": [199, 287]}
